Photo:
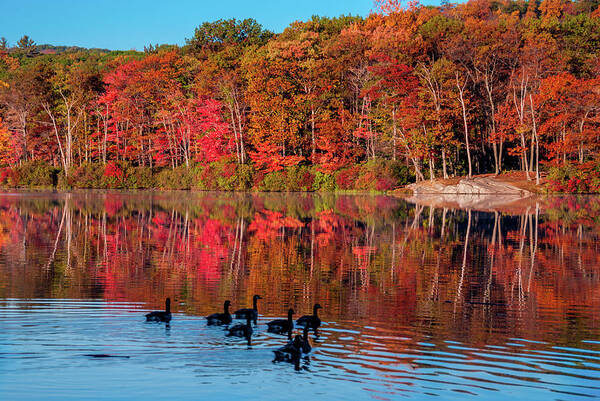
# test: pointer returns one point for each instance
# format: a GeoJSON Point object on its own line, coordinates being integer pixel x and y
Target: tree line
{"type": "Point", "coordinates": [458, 89]}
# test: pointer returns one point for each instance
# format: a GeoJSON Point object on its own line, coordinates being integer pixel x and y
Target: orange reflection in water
{"type": "Point", "coordinates": [376, 261]}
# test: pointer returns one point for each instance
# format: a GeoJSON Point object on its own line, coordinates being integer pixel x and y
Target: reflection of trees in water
{"type": "Point", "coordinates": [367, 257]}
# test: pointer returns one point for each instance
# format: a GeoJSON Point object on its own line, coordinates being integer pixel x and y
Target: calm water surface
{"type": "Point", "coordinates": [419, 302]}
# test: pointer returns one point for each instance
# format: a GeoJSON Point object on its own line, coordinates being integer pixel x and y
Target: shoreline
{"type": "Point", "coordinates": [512, 204]}
{"type": "Point", "coordinates": [484, 191]}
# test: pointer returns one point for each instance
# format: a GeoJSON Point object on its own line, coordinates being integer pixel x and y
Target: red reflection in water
{"type": "Point", "coordinates": [405, 269]}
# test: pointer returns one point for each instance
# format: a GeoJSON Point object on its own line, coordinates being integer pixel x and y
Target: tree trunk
{"type": "Point", "coordinates": [489, 90]}
{"type": "Point", "coordinates": [445, 172]}
{"type": "Point", "coordinates": [431, 170]}
{"type": "Point", "coordinates": [312, 132]}
{"type": "Point", "coordinates": [537, 142]}
{"type": "Point", "coordinates": [466, 126]}
{"type": "Point", "coordinates": [48, 111]}
{"type": "Point", "coordinates": [394, 133]}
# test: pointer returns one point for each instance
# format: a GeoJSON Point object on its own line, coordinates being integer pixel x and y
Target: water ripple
{"type": "Point", "coordinates": [38, 337]}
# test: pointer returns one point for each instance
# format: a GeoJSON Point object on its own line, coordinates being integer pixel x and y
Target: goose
{"type": "Point", "coordinates": [312, 321]}
{"type": "Point", "coordinates": [220, 318]}
{"type": "Point", "coordinates": [306, 348]}
{"type": "Point", "coordinates": [252, 313]}
{"type": "Point", "coordinates": [241, 330]}
{"type": "Point", "coordinates": [160, 316]}
{"type": "Point", "coordinates": [282, 326]}
{"type": "Point", "coordinates": [289, 352]}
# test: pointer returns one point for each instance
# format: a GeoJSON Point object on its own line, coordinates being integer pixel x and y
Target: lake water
{"type": "Point", "coordinates": [418, 302]}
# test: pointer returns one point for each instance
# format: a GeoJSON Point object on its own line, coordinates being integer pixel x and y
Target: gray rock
{"type": "Point", "coordinates": [469, 186]}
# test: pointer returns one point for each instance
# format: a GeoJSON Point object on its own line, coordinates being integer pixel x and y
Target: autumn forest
{"type": "Point", "coordinates": [408, 93]}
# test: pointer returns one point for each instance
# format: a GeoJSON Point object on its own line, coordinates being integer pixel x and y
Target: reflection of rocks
{"type": "Point", "coordinates": [479, 193]}
{"type": "Point", "coordinates": [513, 204]}
{"type": "Point", "coordinates": [473, 186]}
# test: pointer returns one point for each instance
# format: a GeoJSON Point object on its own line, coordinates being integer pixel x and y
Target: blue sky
{"type": "Point", "coordinates": [129, 24]}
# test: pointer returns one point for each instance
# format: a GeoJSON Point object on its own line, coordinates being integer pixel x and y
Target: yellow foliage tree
{"type": "Point", "coordinates": [6, 149]}
{"type": "Point", "coordinates": [552, 8]}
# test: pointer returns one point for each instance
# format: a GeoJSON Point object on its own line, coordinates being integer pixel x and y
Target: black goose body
{"type": "Point", "coordinates": [249, 313]}
{"type": "Point", "coordinates": [282, 326]}
{"type": "Point", "coordinates": [218, 319]}
{"type": "Point", "coordinates": [161, 316]}
{"type": "Point", "coordinates": [241, 330]}
{"type": "Point", "coordinates": [312, 321]}
{"type": "Point", "coordinates": [290, 352]}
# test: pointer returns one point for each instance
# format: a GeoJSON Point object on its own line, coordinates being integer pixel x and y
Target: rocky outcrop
{"type": "Point", "coordinates": [478, 193]}
{"type": "Point", "coordinates": [468, 186]}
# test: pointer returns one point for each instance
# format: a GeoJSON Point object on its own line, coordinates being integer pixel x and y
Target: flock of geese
{"type": "Point", "coordinates": [290, 352]}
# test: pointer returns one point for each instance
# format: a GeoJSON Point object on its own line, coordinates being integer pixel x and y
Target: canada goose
{"type": "Point", "coordinates": [282, 326]}
{"type": "Point", "coordinates": [161, 316]}
{"type": "Point", "coordinates": [306, 348]}
{"type": "Point", "coordinates": [289, 352]}
{"type": "Point", "coordinates": [312, 321]}
{"type": "Point", "coordinates": [241, 330]}
{"type": "Point", "coordinates": [220, 318]}
{"type": "Point", "coordinates": [252, 313]}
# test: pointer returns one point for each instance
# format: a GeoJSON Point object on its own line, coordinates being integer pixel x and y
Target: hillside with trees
{"type": "Point", "coordinates": [408, 93]}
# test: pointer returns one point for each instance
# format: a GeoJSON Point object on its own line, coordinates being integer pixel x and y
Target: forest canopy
{"type": "Point", "coordinates": [407, 93]}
